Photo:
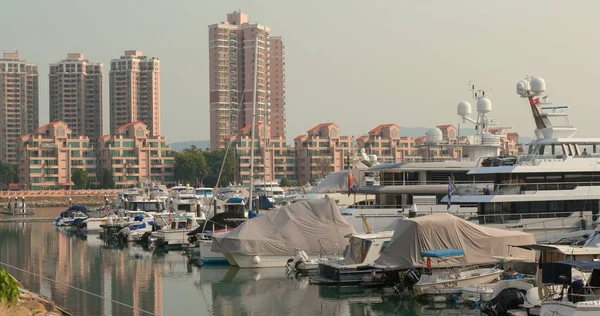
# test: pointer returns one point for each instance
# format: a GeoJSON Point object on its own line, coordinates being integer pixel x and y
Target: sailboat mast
{"type": "Point", "coordinates": [253, 121]}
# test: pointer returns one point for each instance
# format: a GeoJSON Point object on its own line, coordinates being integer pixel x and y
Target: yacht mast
{"type": "Point", "coordinates": [253, 121]}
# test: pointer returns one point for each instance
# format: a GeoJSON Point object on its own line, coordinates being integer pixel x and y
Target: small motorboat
{"type": "Point", "coordinates": [449, 281]}
{"type": "Point", "coordinates": [73, 215]}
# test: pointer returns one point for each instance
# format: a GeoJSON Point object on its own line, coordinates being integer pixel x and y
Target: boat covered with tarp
{"type": "Point", "coordinates": [480, 244]}
{"type": "Point", "coordinates": [315, 226]}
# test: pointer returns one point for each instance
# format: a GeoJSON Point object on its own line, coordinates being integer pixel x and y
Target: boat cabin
{"type": "Point", "coordinates": [556, 253]}
{"type": "Point", "coordinates": [365, 248]}
{"type": "Point", "coordinates": [150, 206]}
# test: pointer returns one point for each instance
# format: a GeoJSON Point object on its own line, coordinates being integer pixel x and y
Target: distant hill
{"type": "Point", "coordinates": [200, 144]}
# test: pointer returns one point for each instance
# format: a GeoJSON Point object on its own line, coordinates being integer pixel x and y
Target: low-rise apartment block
{"type": "Point", "coordinates": [134, 155]}
{"type": "Point", "coordinates": [49, 156]}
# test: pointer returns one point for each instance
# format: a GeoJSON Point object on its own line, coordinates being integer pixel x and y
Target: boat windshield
{"type": "Point", "coordinates": [358, 250]}
{"type": "Point", "coordinates": [147, 206]}
{"type": "Point", "coordinates": [202, 192]}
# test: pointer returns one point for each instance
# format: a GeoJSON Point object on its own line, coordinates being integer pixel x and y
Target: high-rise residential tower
{"type": "Point", "coordinates": [232, 47]}
{"type": "Point", "coordinates": [19, 104]}
{"type": "Point", "coordinates": [135, 91]}
{"type": "Point", "coordinates": [277, 86]}
{"type": "Point", "coordinates": [76, 95]}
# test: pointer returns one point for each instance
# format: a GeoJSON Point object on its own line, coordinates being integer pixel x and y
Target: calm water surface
{"type": "Point", "coordinates": [168, 284]}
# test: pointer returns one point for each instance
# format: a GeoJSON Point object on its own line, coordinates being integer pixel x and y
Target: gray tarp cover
{"type": "Point", "coordinates": [445, 231]}
{"type": "Point", "coordinates": [298, 225]}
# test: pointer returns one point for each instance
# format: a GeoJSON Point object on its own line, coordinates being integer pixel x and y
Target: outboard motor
{"type": "Point", "coordinates": [408, 280]}
{"type": "Point", "coordinates": [506, 300]}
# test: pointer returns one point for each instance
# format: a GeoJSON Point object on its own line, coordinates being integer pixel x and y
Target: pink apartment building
{"type": "Point", "coordinates": [19, 101]}
{"type": "Point", "coordinates": [232, 56]}
{"type": "Point", "coordinates": [273, 159]}
{"type": "Point", "coordinates": [135, 91]}
{"type": "Point", "coordinates": [135, 155]}
{"type": "Point", "coordinates": [49, 156]}
{"type": "Point", "coordinates": [76, 95]}
{"type": "Point", "coordinates": [321, 151]}
{"type": "Point", "coordinates": [277, 86]}
{"type": "Point", "coordinates": [510, 144]}
{"type": "Point", "coordinates": [385, 142]}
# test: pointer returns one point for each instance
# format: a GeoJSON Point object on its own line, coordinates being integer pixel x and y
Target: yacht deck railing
{"type": "Point", "coordinates": [519, 188]}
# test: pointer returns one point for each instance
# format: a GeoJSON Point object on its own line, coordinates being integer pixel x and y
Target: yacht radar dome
{"type": "Point", "coordinates": [484, 105]}
{"type": "Point", "coordinates": [463, 108]}
{"type": "Point", "coordinates": [434, 135]}
{"type": "Point", "coordinates": [523, 88]}
{"type": "Point", "coordinates": [538, 85]}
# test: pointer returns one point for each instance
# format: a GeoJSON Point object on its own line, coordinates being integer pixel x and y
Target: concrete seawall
{"type": "Point", "coordinates": [35, 199]}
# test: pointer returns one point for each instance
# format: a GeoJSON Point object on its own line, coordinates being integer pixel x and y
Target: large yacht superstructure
{"type": "Point", "coordinates": [418, 187]}
{"type": "Point", "coordinates": [552, 189]}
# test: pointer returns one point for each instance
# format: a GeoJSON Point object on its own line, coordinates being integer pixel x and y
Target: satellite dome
{"type": "Point", "coordinates": [373, 157]}
{"type": "Point", "coordinates": [538, 85]}
{"type": "Point", "coordinates": [362, 150]}
{"type": "Point", "coordinates": [484, 105]}
{"type": "Point", "coordinates": [463, 108]}
{"type": "Point", "coordinates": [523, 87]}
{"type": "Point", "coordinates": [434, 135]}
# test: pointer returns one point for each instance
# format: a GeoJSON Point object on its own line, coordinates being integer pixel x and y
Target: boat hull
{"type": "Point", "coordinates": [478, 293]}
{"type": "Point", "coordinates": [587, 308]}
{"type": "Point", "coordinates": [247, 261]}
{"type": "Point", "coordinates": [171, 238]}
{"type": "Point", "coordinates": [207, 256]}
{"type": "Point", "coordinates": [443, 286]}
{"type": "Point", "coordinates": [336, 274]}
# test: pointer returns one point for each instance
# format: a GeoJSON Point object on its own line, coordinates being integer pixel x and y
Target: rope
{"type": "Point", "coordinates": [75, 288]}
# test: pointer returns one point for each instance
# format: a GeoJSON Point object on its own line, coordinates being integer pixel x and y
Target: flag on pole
{"type": "Point", "coordinates": [450, 191]}
{"type": "Point", "coordinates": [534, 101]}
{"type": "Point", "coordinates": [350, 182]}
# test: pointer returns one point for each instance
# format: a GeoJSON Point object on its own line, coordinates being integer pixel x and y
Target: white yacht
{"type": "Point", "coordinates": [173, 231]}
{"type": "Point", "coordinates": [183, 201]}
{"type": "Point", "coordinates": [552, 189]}
{"type": "Point", "coordinates": [202, 192]}
{"type": "Point", "coordinates": [272, 190]}
{"type": "Point", "coordinates": [399, 188]}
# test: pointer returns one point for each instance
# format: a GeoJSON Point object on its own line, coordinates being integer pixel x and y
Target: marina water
{"type": "Point", "coordinates": [167, 283]}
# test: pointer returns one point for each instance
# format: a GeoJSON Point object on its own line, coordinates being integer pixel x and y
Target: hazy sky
{"type": "Point", "coordinates": [356, 63]}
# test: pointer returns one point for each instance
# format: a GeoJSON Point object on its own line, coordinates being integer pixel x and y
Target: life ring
{"type": "Point", "coordinates": [105, 212]}
{"type": "Point", "coordinates": [428, 263]}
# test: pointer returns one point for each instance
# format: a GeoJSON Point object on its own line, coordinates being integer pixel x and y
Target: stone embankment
{"type": "Point", "coordinates": [60, 198]}
{"type": "Point", "coordinates": [30, 304]}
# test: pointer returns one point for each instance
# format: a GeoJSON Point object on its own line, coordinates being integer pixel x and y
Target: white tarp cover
{"type": "Point", "coordinates": [445, 231]}
{"type": "Point", "coordinates": [298, 225]}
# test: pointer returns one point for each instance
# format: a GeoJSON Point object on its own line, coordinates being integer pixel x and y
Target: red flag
{"type": "Point", "coordinates": [534, 101]}
{"type": "Point", "coordinates": [350, 182]}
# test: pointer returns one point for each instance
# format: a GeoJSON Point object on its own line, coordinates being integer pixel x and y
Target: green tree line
{"type": "Point", "coordinates": [196, 167]}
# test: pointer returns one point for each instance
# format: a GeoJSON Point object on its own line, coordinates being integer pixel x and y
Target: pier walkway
{"type": "Point", "coordinates": [25, 219]}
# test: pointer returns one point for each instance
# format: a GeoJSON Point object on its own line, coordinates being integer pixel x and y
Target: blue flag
{"type": "Point", "coordinates": [450, 191]}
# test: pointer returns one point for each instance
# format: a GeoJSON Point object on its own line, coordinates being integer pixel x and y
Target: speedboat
{"type": "Point", "coordinates": [451, 280]}
{"type": "Point", "coordinates": [140, 222]}
{"type": "Point", "coordinates": [73, 215]}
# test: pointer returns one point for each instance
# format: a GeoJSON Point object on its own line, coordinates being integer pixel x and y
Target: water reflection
{"type": "Point", "coordinates": [166, 283]}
